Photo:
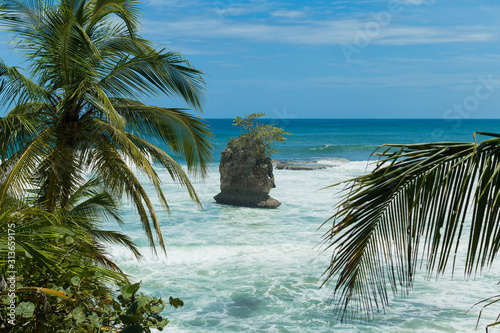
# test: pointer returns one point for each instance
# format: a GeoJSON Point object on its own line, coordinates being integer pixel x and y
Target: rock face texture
{"type": "Point", "coordinates": [308, 165]}
{"type": "Point", "coordinates": [246, 177]}
{"type": "Point", "coordinates": [291, 166]}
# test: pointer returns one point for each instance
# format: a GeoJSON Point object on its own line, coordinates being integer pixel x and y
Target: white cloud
{"type": "Point", "coordinates": [266, 57]}
{"type": "Point", "coordinates": [417, 2]}
{"type": "Point", "coordinates": [429, 35]}
{"type": "Point", "coordinates": [188, 50]}
{"type": "Point", "coordinates": [238, 7]}
{"type": "Point", "coordinates": [225, 63]}
{"type": "Point", "coordinates": [175, 3]}
{"type": "Point", "coordinates": [462, 82]}
{"type": "Point", "coordinates": [317, 33]}
{"type": "Point", "coordinates": [288, 13]}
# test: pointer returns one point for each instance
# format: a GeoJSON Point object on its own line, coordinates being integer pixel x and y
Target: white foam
{"type": "Point", "coordinates": [242, 269]}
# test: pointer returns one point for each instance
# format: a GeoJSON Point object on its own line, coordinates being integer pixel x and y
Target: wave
{"type": "Point", "coordinates": [344, 148]}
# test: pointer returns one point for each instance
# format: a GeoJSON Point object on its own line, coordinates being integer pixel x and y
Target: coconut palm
{"type": "Point", "coordinates": [80, 109]}
{"type": "Point", "coordinates": [416, 206]}
{"type": "Point", "coordinates": [64, 241]}
{"type": "Point", "coordinates": [62, 261]}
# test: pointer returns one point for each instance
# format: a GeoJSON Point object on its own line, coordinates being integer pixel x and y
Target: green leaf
{"type": "Point", "coordinates": [176, 302]}
{"type": "Point", "coordinates": [78, 315]}
{"type": "Point", "coordinates": [133, 329]}
{"type": "Point", "coordinates": [69, 240]}
{"type": "Point", "coordinates": [413, 210]}
{"type": "Point", "coordinates": [75, 280]}
{"type": "Point", "coordinates": [128, 291]}
{"type": "Point", "coordinates": [162, 324]}
{"type": "Point", "coordinates": [129, 320]}
{"type": "Point", "coordinates": [132, 308]}
{"type": "Point", "coordinates": [25, 309]}
{"type": "Point", "coordinates": [157, 308]}
{"type": "Point", "coordinates": [94, 320]}
{"type": "Point", "coordinates": [142, 300]}
{"type": "Point", "coordinates": [116, 306]}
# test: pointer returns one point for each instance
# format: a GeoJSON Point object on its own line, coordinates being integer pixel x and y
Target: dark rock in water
{"type": "Point", "coordinates": [295, 165]}
{"type": "Point", "coordinates": [308, 165]}
{"type": "Point", "coordinates": [246, 177]}
{"type": "Point", "coordinates": [246, 200]}
{"type": "Point", "coordinates": [284, 166]}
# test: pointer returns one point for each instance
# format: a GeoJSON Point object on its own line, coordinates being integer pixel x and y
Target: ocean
{"type": "Point", "coordinates": [256, 270]}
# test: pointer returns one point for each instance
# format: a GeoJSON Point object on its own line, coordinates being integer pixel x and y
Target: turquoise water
{"type": "Point", "coordinates": [356, 139]}
{"type": "Point", "coordinates": [254, 270]}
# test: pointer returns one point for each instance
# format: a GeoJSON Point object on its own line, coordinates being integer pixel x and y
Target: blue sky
{"type": "Point", "coordinates": [335, 59]}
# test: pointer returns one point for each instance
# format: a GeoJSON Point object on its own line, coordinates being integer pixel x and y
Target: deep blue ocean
{"type": "Point", "coordinates": [257, 270]}
{"type": "Point", "coordinates": [355, 139]}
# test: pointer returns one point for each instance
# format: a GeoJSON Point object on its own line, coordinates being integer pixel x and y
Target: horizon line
{"type": "Point", "coordinates": [318, 118]}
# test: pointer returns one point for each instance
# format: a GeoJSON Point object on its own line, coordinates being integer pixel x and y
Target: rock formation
{"type": "Point", "coordinates": [299, 166]}
{"type": "Point", "coordinates": [246, 177]}
{"type": "Point", "coordinates": [308, 165]}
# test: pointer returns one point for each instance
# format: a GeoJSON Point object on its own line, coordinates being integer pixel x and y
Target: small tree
{"type": "Point", "coordinates": [258, 136]}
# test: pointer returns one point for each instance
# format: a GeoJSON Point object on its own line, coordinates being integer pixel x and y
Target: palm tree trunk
{"type": "Point", "coordinates": [62, 173]}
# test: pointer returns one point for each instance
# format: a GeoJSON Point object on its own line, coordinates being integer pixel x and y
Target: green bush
{"type": "Point", "coordinates": [64, 282]}
{"type": "Point", "coordinates": [256, 136]}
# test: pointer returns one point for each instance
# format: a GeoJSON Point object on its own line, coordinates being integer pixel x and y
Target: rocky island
{"type": "Point", "coordinates": [245, 178]}
{"type": "Point", "coordinates": [246, 169]}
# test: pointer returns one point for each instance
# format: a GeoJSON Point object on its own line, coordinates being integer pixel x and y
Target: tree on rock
{"type": "Point", "coordinates": [246, 171]}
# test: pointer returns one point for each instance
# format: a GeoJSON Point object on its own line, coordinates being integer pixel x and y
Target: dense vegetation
{"type": "Point", "coordinates": [256, 136]}
{"type": "Point", "coordinates": [71, 144]}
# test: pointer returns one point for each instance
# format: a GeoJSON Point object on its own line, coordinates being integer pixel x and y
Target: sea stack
{"type": "Point", "coordinates": [246, 177]}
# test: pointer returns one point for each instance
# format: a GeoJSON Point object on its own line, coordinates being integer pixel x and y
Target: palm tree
{"type": "Point", "coordinates": [65, 241]}
{"type": "Point", "coordinates": [417, 205]}
{"type": "Point", "coordinates": [62, 260]}
{"type": "Point", "coordinates": [78, 110]}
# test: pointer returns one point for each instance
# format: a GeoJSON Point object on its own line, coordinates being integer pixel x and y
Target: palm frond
{"type": "Point", "coordinates": [17, 171]}
{"type": "Point", "coordinates": [153, 73]}
{"type": "Point", "coordinates": [24, 221]}
{"type": "Point", "coordinates": [15, 87]}
{"type": "Point", "coordinates": [184, 133]}
{"type": "Point", "coordinates": [101, 103]}
{"type": "Point", "coordinates": [162, 158]}
{"type": "Point", "coordinates": [109, 165]}
{"type": "Point", "coordinates": [75, 114]}
{"type": "Point", "coordinates": [92, 200]}
{"type": "Point", "coordinates": [127, 10]}
{"type": "Point", "coordinates": [413, 206]}
{"type": "Point", "coordinates": [21, 126]}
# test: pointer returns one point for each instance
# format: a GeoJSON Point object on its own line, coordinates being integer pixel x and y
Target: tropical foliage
{"type": "Point", "coordinates": [78, 109]}
{"type": "Point", "coordinates": [257, 136]}
{"type": "Point", "coordinates": [76, 133]}
{"type": "Point", "coordinates": [419, 203]}
{"type": "Point", "coordinates": [64, 278]}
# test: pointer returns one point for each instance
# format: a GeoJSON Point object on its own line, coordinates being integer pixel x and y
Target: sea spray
{"type": "Point", "coordinates": [242, 269]}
